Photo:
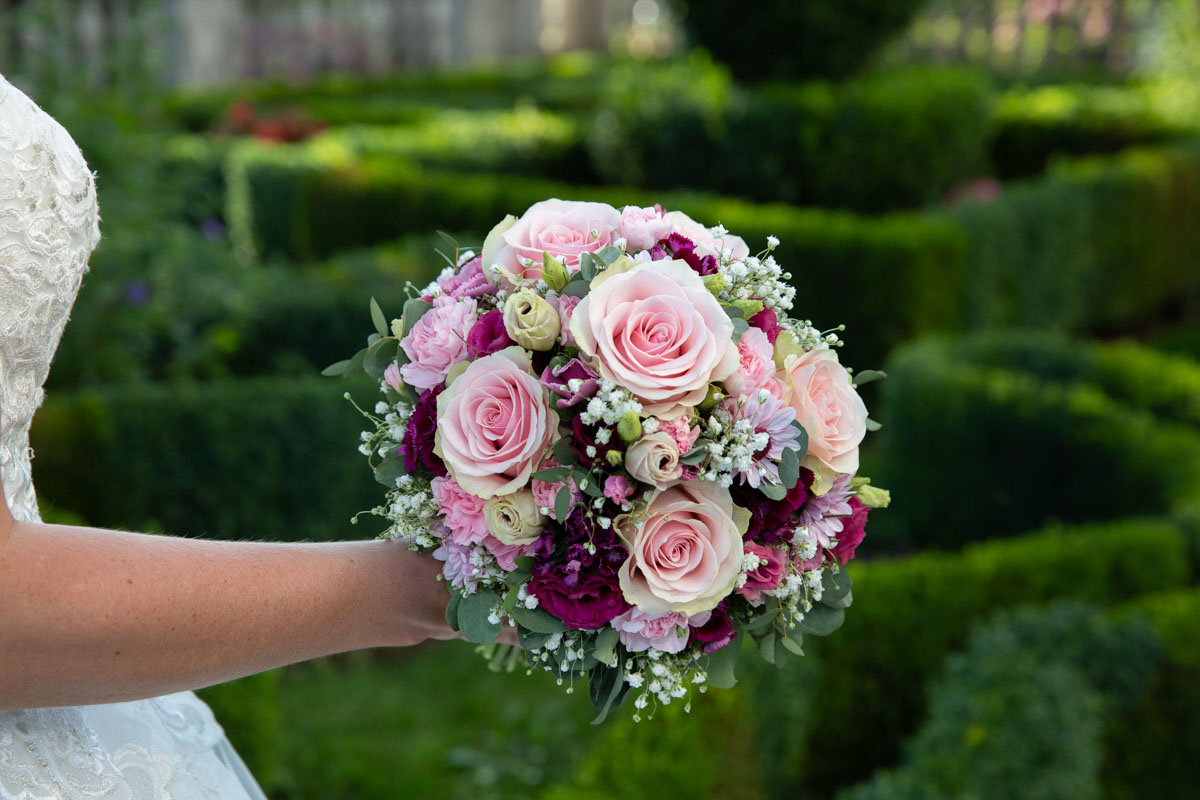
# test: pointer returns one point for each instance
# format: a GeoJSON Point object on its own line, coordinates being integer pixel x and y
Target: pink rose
{"type": "Point", "coordinates": [767, 575]}
{"type": "Point", "coordinates": [643, 227]}
{"type": "Point", "coordinates": [437, 342]}
{"type": "Point", "coordinates": [562, 228]}
{"type": "Point", "coordinates": [687, 555]}
{"type": "Point", "coordinates": [828, 408]}
{"type": "Point", "coordinates": [392, 375]}
{"type": "Point", "coordinates": [462, 512]}
{"type": "Point", "coordinates": [654, 329]}
{"type": "Point", "coordinates": [756, 369]}
{"type": "Point", "coordinates": [668, 632]}
{"type": "Point", "coordinates": [494, 424]}
{"type": "Point", "coordinates": [703, 238]}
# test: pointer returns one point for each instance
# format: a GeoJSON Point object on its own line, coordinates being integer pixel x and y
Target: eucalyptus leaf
{"type": "Point", "coordinates": [740, 326]}
{"type": "Point", "coordinates": [606, 646]}
{"type": "Point", "coordinates": [413, 311]}
{"type": "Point", "coordinates": [694, 456]}
{"type": "Point", "coordinates": [722, 665]}
{"type": "Point", "coordinates": [834, 587]}
{"type": "Point", "coordinates": [510, 598]}
{"type": "Point", "coordinates": [531, 640]}
{"type": "Point", "coordinates": [356, 362]}
{"type": "Point", "coordinates": [388, 470]}
{"type": "Point", "coordinates": [578, 289]}
{"type": "Point", "coordinates": [867, 376]}
{"type": "Point", "coordinates": [564, 453]}
{"type": "Point", "coordinates": [379, 356]}
{"type": "Point", "coordinates": [452, 610]}
{"type": "Point", "coordinates": [606, 687]}
{"type": "Point", "coordinates": [764, 619]}
{"type": "Point", "coordinates": [587, 267]}
{"type": "Point", "coordinates": [552, 475]}
{"type": "Point", "coordinates": [608, 255]}
{"type": "Point", "coordinates": [378, 318]}
{"type": "Point", "coordinates": [537, 620]}
{"type": "Point", "coordinates": [562, 504]}
{"type": "Point", "coordinates": [733, 312]}
{"type": "Point", "coordinates": [789, 468]}
{"type": "Point", "coordinates": [821, 620]}
{"type": "Point", "coordinates": [773, 491]}
{"type": "Point", "coordinates": [473, 613]}
{"type": "Point", "coordinates": [766, 646]}
{"type": "Point", "coordinates": [791, 645]}
{"type": "Point", "coordinates": [872, 425]}
{"type": "Point", "coordinates": [801, 441]}
{"type": "Point", "coordinates": [336, 369]}
{"type": "Point", "coordinates": [372, 339]}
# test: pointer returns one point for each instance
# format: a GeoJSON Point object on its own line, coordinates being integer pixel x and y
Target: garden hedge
{"type": "Point", "coordinates": [1020, 450]}
{"type": "Point", "coordinates": [270, 458]}
{"type": "Point", "coordinates": [910, 613]}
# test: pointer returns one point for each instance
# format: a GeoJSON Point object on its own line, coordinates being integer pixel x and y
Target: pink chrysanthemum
{"type": "Point", "coordinates": [764, 414]}
{"type": "Point", "coordinates": [823, 513]}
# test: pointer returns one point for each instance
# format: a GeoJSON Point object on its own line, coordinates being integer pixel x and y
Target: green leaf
{"type": "Point", "coordinates": [606, 646]}
{"type": "Point", "coordinates": [608, 255]}
{"type": "Point", "coordinates": [388, 470]}
{"type": "Point", "coordinates": [606, 687]}
{"type": "Point", "coordinates": [337, 369]}
{"type": "Point", "coordinates": [587, 268]}
{"type": "Point", "coordinates": [562, 504]}
{"type": "Point", "coordinates": [587, 483]}
{"type": "Point", "coordinates": [763, 620]}
{"type": "Point", "coordinates": [552, 475]}
{"type": "Point", "coordinates": [578, 289]}
{"type": "Point", "coordinates": [867, 376]}
{"type": "Point", "coordinates": [450, 240]}
{"type": "Point", "coordinates": [821, 620]}
{"type": "Point", "coordinates": [531, 640]}
{"type": "Point", "coordinates": [789, 468]}
{"type": "Point", "coordinates": [413, 311]}
{"type": "Point", "coordinates": [537, 620]}
{"type": "Point", "coordinates": [766, 646]}
{"type": "Point", "coordinates": [356, 362]}
{"type": "Point", "coordinates": [510, 598]}
{"type": "Point", "coordinates": [734, 313]}
{"type": "Point", "coordinates": [835, 586]}
{"type": "Point", "coordinates": [473, 613]}
{"type": "Point", "coordinates": [722, 665]}
{"type": "Point", "coordinates": [872, 425]}
{"type": "Point", "coordinates": [452, 610]}
{"type": "Point", "coordinates": [740, 326]}
{"type": "Point", "coordinates": [694, 456]}
{"type": "Point", "coordinates": [791, 645]}
{"type": "Point", "coordinates": [378, 318]}
{"type": "Point", "coordinates": [773, 491]}
{"type": "Point", "coordinates": [564, 453]}
{"type": "Point", "coordinates": [379, 356]}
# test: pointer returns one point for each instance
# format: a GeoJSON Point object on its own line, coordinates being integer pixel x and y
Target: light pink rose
{"type": "Point", "coordinates": [437, 342]}
{"type": "Point", "coordinates": [702, 237]}
{"type": "Point", "coordinates": [756, 369]}
{"type": "Point", "coordinates": [668, 632]}
{"type": "Point", "coordinates": [687, 555]}
{"type": "Point", "coordinates": [828, 408]}
{"type": "Point", "coordinates": [462, 512]}
{"type": "Point", "coordinates": [566, 305]}
{"type": "Point", "coordinates": [766, 576]}
{"type": "Point", "coordinates": [494, 423]}
{"type": "Point", "coordinates": [654, 329]}
{"type": "Point", "coordinates": [562, 228]}
{"type": "Point", "coordinates": [643, 227]}
{"type": "Point", "coordinates": [392, 375]}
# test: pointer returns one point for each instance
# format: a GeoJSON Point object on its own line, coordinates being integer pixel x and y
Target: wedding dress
{"type": "Point", "coordinates": [167, 747]}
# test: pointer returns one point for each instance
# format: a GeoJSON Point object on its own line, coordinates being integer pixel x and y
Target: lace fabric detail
{"type": "Point", "coordinates": [167, 747]}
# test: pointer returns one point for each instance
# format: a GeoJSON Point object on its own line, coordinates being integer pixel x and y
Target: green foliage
{"type": "Point", "coordinates": [1035, 125]}
{"type": "Point", "coordinates": [249, 711]}
{"type": "Point", "coordinates": [1024, 449]}
{"type": "Point", "coordinates": [270, 458]}
{"type": "Point", "coordinates": [789, 41]}
{"type": "Point", "coordinates": [1154, 745]}
{"type": "Point", "coordinates": [909, 614]}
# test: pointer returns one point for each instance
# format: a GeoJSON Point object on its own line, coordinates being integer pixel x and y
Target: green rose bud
{"type": "Point", "coordinates": [531, 321]}
{"type": "Point", "coordinates": [554, 273]}
{"type": "Point", "coordinates": [630, 427]}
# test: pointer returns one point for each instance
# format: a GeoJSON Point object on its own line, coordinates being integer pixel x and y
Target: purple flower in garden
{"type": "Point", "coordinates": [488, 335]}
{"type": "Point", "coordinates": [560, 380]}
{"type": "Point", "coordinates": [768, 322]}
{"type": "Point", "coordinates": [717, 632]}
{"type": "Point", "coordinates": [417, 448]}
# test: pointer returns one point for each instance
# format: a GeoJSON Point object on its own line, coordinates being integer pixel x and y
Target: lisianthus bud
{"type": "Point", "coordinates": [786, 345]}
{"type": "Point", "coordinates": [554, 273]}
{"type": "Point", "coordinates": [629, 428]}
{"type": "Point", "coordinates": [654, 459]}
{"type": "Point", "coordinates": [531, 321]}
{"type": "Point", "coordinates": [714, 283]}
{"type": "Point", "coordinates": [749, 307]}
{"type": "Point", "coordinates": [714, 396]}
{"type": "Point", "coordinates": [514, 518]}
{"type": "Point", "coordinates": [398, 328]}
{"type": "Point", "coordinates": [614, 458]}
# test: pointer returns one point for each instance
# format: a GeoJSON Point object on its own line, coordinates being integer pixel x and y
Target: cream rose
{"type": "Point", "coordinates": [514, 518]}
{"type": "Point", "coordinates": [562, 228]}
{"type": "Point", "coordinates": [654, 329]}
{"type": "Point", "coordinates": [494, 422]}
{"type": "Point", "coordinates": [531, 321]}
{"type": "Point", "coordinates": [654, 459]}
{"type": "Point", "coordinates": [828, 408]}
{"type": "Point", "coordinates": [687, 555]}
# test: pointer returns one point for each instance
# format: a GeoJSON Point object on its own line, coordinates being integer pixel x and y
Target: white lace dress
{"type": "Point", "coordinates": [167, 747]}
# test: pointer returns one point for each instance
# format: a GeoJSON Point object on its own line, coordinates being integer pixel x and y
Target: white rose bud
{"type": "Point", "coordinates": [514, 518]}
{"type": "Point", "coordinates": [531, 321]}
{"type": "Point", "coordinates": [654, 459]}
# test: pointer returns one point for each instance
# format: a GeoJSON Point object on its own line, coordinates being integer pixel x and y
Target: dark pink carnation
{"type": "Point", "coordinates": [768, 322]}
{"type": "Point", "coordinates": [766, 576]}
{"type": "Point", "coordinates": [591, 602]}
{"type": "Point", "coordinates": [854, 527]}
{"type": "Point", "coordinates": [418, 437]}
{"type": "Point", "coordinates": [469, 281]}
{"type": "Point", "coordinates": [717, 632]}
{"type": "Point", "coordinates": [684, 249]}
{"type": "Point", "coordinates": [488, 335]}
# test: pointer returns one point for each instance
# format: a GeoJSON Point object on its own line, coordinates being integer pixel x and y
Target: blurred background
{"type": "Point", "coordinates": [1000, 199]}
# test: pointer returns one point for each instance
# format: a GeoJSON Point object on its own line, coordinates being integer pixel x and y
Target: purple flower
{"type": "Point", "coordinates": [559, 380]}
{"type": "Point", "coordinates": [583, 437]}
{"type": "Point", "coordinates": [824, 514]}
{"type": "Point", "coordinates": [684, 249]}
{"type": "Point", "coordinates": [768, 415]}
{"type": "Point", "coordinates": [587, 602]}
{"type": "Point", "coordinates": [469, 281]}
{"type": "Point", "coordinates": [488, 335]}
{"type": "Point", "coordinates": [417, 448]}
{"type": "Point", "coordinates": [772, 521]}
{"type": "Point", "coordinates": [717, 632]}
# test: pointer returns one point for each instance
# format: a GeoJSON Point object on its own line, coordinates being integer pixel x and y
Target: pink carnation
{"type": "Point", "coordinates": [392, 375]}
{"type": "Point", "coordinates": [756, 368]}
{"type": "Point", "coordinates": [437, 342]}
{"type": "Point", "coordinates": [682, 432]}
{"type": "Point", "coordinates": [617, 489]}
{"type": "Point", "coordinates": [462, 511]}
{"type": "Point", "coordinates": [668, 632]}
{"type": "Point", "coordinates": [458, 570]}
{"type": "Point", "coordinates": [544, 493]}
{"type": "Point", "coordinates": [507, 554]}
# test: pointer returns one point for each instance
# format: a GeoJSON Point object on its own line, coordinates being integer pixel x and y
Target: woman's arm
{"type": "Point", "coordinates": [96, 616]}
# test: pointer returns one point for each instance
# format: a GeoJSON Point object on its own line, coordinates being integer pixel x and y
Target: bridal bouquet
{"type": "Point", "coordinates": [612, 433]}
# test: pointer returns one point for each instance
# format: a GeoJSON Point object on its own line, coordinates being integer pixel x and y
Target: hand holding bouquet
{"type": "Point", "coordinates": [609, 429]}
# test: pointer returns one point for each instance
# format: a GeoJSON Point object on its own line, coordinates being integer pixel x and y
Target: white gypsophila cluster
{"type": "Point", "coordinates": [731, 448]}
{"type": "Point", "coordinates": [563, 654]}
{"type": "Point", "coordinates": [526, 599]}
{"type": "Point", "coordinates": [413, 511]}
{"type": "Point", "coordinates": [486, 570]}
{"type": "Point", "coordinates": [663, 677]}
{"type": "Point", "coordinates": [755, 277]}
{"type": "Point", "coordinates": [750, 562]}
{"type": "Point", "coordinates": [609, 405]}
